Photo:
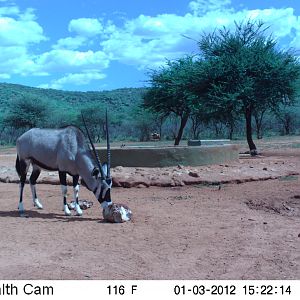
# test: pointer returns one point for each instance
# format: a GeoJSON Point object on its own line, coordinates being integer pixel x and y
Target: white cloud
{"type": "Point", "coordinates": [86, 27]}
{"type": "Point", "coordinates": [71, 43]}
{"type": "Point", "coordinates": [146, 41]}
{"type": "Point", "coordinates": [9, 10]}
{"type": "Point", "coordinates": [19, 32]}
{"type": "Point", "coordinates": [74, 79]}
{"type": "Point", "coordinates": [201, 7]}
{"type": "Point", "coordinates": [63, 60]}
{"type": "Point", "coordinates": [15, 60]}
{"type": "Point", "coordinates": [281, 21]}
{"type": "Point", "coordinates": [4, 76]}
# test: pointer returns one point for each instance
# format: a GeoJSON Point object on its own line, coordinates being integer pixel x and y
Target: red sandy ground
{"type": "Point", "coordinates": [232, 231]}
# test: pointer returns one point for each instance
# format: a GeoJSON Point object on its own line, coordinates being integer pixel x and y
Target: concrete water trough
{"type": "Point", "coordinates": [165, 156]}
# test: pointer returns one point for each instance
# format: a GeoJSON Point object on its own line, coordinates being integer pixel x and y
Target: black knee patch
{"type": "Point", "coordinates": [22, 168]}
{"type": "Point", "coordinates": [34, 176]}
{"type": "Point", "coordinates": [62, 178]}
{"type": "Point", "coordinates": [75, 180]}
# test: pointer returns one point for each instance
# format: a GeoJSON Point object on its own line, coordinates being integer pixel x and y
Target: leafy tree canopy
{"type": "Point", "coordinates": [246, 71]}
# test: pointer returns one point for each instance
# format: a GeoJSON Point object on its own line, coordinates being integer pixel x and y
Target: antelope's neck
{"type": "Point", "coordinates": [85, 167]}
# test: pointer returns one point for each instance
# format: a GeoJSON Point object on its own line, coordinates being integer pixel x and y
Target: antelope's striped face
{"type": "Point", "coordinates": [103, 187]}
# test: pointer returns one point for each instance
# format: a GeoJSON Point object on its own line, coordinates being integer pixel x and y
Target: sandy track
{"type": "Point", "coordinates": [191, 232]}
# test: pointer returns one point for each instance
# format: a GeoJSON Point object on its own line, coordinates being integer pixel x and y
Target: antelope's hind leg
{"type": "Point", "coordinates": [76, 191]}
{"type": "Point", "coordinates": [22, 168]}
{"type": "Point", "coordinates": [32, 180]}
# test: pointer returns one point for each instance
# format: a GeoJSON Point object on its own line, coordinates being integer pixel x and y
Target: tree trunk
{"type": "Point", "coordinates": [230, 133]}
{"type": "Point", "coordinates": [248, 116]}
{"type": "Point", "coordinates": [258, 123]}
{"type": "Point", "coordinates": [194, 130]}
{"type": "Point", "coordinates": [258, 130]}
{"type": "Point", "coordinates": [217, 130]}
{"type": "Point", "coordinates": [287, 125]}
{"type": "Point", "coordinates": [183, 122]}
{"type": "Point", "coordinates": [196, 123]}
{"type": "Point", "coordinates": [160, 128]}
{"type": "Point", "coordinates": [230, 126]}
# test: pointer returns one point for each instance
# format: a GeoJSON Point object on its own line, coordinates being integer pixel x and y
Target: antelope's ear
{"type": "Point", "coordinates": [104, 168]}
{"type": "Point", "coordinates": [95, 172]}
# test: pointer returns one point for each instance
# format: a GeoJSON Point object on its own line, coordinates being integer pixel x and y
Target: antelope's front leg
{"type": "Point", "coordinates": [76, 191]}
{"type": "Point", "coordinates": [63, 184]}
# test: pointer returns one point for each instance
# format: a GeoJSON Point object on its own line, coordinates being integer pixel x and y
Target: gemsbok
{"type": "Point", "coordinates": [64, 150]}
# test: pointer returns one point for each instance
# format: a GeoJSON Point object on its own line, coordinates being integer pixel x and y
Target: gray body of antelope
{"type": "Point", "coordinates": [64, 150]}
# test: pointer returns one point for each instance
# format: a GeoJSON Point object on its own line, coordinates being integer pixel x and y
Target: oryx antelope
{"type": "Point", "coordinates": [64, 150]}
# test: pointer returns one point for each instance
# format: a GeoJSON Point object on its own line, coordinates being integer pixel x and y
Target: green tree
{"type": "Point", "coordinates": [171, 90]}
{"type": "Point", "coordinates": [94, 116]}
{"type": "Point", "coordinates": [144, 123]}
{"type": "Point", "coordinates": [26, 113]}
{"type": "Point", "coordinates": [246, 72]}
{"type": "Point", "coordinates": [286, 117]}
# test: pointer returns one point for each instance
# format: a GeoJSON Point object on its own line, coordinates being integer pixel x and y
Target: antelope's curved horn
{"type": "Point", "coordinates": [108, 146]}
{"type": "Point", "coordinates": [93, 147]}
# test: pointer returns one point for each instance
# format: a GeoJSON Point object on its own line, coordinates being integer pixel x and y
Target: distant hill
{"type": "Point", "coordinates": [119, 99]}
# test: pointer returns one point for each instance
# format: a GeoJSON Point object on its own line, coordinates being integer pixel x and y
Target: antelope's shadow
{"type": "Point", "coordinates": [32, 214]}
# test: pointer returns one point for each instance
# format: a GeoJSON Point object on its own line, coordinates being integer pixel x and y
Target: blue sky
{"type": "Point", "coordinates": [102, 45]}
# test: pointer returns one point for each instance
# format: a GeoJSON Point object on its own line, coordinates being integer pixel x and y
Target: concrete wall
{"type": "Point", "coordinates": [170, 156]}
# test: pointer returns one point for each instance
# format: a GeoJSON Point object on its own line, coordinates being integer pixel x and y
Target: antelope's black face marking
{"type": "Point", "coordinates": [107, 196]}
{"type": "Point", "coordinates": [95, 172]}
{"type": "Point", "coordinates": [105, 191]}
{"type": "Point", "coordinates": [102, 189]}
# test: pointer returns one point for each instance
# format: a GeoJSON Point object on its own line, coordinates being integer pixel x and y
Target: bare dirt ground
{"type": "Point", "coordinates": [189, 230]}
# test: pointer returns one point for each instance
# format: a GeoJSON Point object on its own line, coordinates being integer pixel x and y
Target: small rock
{"type": "Point", "coordinates": [251, 167]}
{"type": "Point", "coordinates": [265, 169]}
{"type": "Point", "coordinates": [117, 213]}
{"type": "Point", "coordinates": [180, 167]}
{"type": "Point", "coordinates": [127, 184]}
{"type": "Point", "coordinates": [116, 182]}
{"type": "Point", "coordinates": [139, 186]}
{"type": "Point", "coordinates": [265, 223]}
{"type": "Point", "coordinates": [118, 169]}
{"type": "Point", "coordinates": [139, 169]}
{"type": "Point", "coordinates": [178, 182]}
{"type": "Point", "coordinates": [193, 174]}
{"type": "Point", "coordinates": [299, 235]}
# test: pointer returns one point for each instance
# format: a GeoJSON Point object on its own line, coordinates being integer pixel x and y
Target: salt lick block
{"type": "Point", "coordinates": [117, 213]}
{"type": "Point", "coordinates": [170, 156]}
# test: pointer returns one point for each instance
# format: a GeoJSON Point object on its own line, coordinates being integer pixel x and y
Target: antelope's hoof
{"type": "Point", "coordinates": [21, 208]}
{"type": "Point", "coordinates": [38, 204]}
{"type": "Point", "coordinates": [78, 211]}
{"type": "Point", "coordinates": [67, 211]}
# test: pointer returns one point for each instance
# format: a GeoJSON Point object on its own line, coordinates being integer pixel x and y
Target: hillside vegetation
{"type": "Point", "coordinates": [59, 108]}
{"type": "Point", "coordinates": [128, 120]}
